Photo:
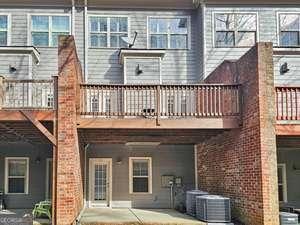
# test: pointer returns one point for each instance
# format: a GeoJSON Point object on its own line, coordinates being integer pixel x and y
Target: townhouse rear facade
{"type": "Point", "coordinates": [207, 96]}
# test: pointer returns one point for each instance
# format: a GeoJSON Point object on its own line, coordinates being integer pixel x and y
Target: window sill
{"type": "Point", "coordinates": [141, 193]}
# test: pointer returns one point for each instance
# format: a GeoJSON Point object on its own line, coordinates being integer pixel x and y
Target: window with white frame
{"type": "Point", "coordinates": [235, 30]}
{"type": "Point", "coordinates": [169, 33]}
{"type": "Point", "coordinates": [3, 30]}
{"type": "Point", "coordinates": [282, 188]}
{"type": "Point", "coordinates": [46, 29]}
{"type": "Point", "coordinates": [140, 174]}
{"type": "Point", "coordinates": [107, 32]}
{"type": "Point", "coordinates": [16, 175]}
{"type": "Point", "coordinates": [289, 29]}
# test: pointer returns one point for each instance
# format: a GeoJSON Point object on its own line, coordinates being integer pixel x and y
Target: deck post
{"type": "Point", "coordinates": [158, 102]}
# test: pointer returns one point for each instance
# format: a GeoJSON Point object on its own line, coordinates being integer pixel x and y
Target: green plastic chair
{"type": "Point", "coordinates": [42, 208]}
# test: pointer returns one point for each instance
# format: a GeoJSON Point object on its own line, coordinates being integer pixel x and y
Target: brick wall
{"type": "Point", "coordinates": [69, 187]}
{"type": "Point", "coordinates": [242, 163]}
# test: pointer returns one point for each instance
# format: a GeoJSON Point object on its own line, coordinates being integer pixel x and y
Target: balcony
{"type": "Point", "coordinates": [32, 96]}
{"type": "Point", "coordinates": [288, 104]}
{"type": "Point", "coordinates": [164, 106]}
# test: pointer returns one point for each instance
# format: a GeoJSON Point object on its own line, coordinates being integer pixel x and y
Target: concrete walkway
{"type": "Point", "coordinates": [108, 216]}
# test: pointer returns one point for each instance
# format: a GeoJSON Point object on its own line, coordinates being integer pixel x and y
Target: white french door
{"type": "Point", "coordinates": [100, 182]}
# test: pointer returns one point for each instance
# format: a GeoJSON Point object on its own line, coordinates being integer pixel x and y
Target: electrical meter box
{"type": "Point", "coordinates": [166, 180]}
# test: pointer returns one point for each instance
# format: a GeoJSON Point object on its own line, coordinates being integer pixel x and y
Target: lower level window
{"type": "Point", "coordinates": [140, 174]}
{"type": "Point", "coordinates": [16, 175]}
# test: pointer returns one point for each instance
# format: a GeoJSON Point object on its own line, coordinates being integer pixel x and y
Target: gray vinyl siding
{"type": "Point", "coordinates": [150, 68]}
{"type": "Point", "coordinates": [178, 66]}
{"type": "Point", "coordinates": [19, 37]}
{"type": "Point", "coordinates": [20, 62]}
{"type": "Point", "coordinates": [166, 160]}
{"type": "Point", "coordinates": [267, 32]}
{"type": "Point", "coordinates": [37, 173]}
{"type": "Point", "coordinates": [291, 158]}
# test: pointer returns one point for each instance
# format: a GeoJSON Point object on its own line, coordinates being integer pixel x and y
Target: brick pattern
{"type": "Point", "coordinates": [242, 163]}
{"type": "Point", "coordinates": [69, 186]}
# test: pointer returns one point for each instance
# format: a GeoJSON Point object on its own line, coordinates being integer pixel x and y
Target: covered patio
{"type": "Point", "coordinates": [109, 216]}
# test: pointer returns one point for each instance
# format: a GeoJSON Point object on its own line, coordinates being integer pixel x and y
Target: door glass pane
{"type": "Point", "coordinates": [100, 185]}
{"type": "Point", "coordinates": [280, 177]}
{"type": "Point", "coordinates": [280, 193]}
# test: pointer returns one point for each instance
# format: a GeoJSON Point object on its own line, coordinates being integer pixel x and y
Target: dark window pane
{"type": "Point", "coordinates": [140, 184]}
{"type": "Point", "coordinates": [55, 38]}
{"type": "Point", "coordinates": [178, 41]}
{"type": "Point", "coordinates": [16, 185]}
{"type": "Point", "coordinates": [40, 39]}
{"type": "Point", "coordinates": [3, 38]}
{"type": "Point", "coordinates": [246, 38]}
{"type": "Point", "coordinates": [3, 22]}
{"type": "Point", "coordinates": [280, 175]}
{"type": "Point", "coordinates": [224, 39]}
{"type": "Point", "coordinates": [159, 41]}
{"type": "Point", "coordinates": [280, 193]}
{"type": "Point", "coordinates": [289, 38]}
{"type": "Point", "coordinates": [140, 168]}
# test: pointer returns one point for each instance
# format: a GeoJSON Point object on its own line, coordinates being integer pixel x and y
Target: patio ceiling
{"type": "Point", "coordinates": [164, 136]}
{"type": "Point", "coordinates": [23, 131]}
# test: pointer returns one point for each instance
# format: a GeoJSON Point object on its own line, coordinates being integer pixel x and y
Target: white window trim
{"type": "Point", "coordinates": [29, 39]}
{"type": "Point", "coordinates": [233, 12]}
{"type": "Point", "coordinates": [284, 179]}
{"type": "Point", "coordinates": [278, 13]}
{"type": "Point", "coordinates": [26, 188]}
{"type": "Point", "coordinates": [108, 30]}
{"type": "Point", "coordinates": [9, 24]}
{"type": "Point", "coordinates": [171, 17]}
{"type": "Point", "coordinates": [131, 159]}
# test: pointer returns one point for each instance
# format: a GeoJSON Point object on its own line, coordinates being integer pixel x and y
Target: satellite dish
{"type": "Point", "coordinates": [130, 41]}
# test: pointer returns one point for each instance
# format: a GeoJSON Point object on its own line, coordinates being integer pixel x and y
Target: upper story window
{"type": "Point", "coordinates": [169, 33]}
{"type": "Point", "coordinates": [289, 28]}
{"type": "Point", "coordinates": [107, 32]}
{"type": "Point", "coordinates": [46, 29]}
{"type": "Point", "coordinates": [3, 30]}
{"type": "Point", "coordinates": [235, 30]}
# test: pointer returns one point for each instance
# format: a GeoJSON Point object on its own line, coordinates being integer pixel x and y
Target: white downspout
{"type": "Point", "coordinates": [196, 167]}
{"type": "Point", "coordinates": [203, 31]}
{"type": "Point", "coordinates": [73, 18]}
{"type": "Point", "coordinates": [85, 175]}
{"type": "Point", "coordinates": [86, 41]}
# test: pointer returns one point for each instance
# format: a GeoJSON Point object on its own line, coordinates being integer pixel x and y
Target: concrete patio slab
{"type": "Point", "coordinates": [109, 216]}
{"type": "Point", "coordinates": [22, 213]}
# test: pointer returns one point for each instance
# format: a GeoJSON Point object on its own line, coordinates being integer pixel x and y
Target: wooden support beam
{"type": "Point", "coordinates": [16, 115]}
{"type": "Point", "coordinates": [288, 129]}
{"type": "Point", "coordinates": [39, 126]}
{"type": "Point", "coordinates": [200, 123]}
